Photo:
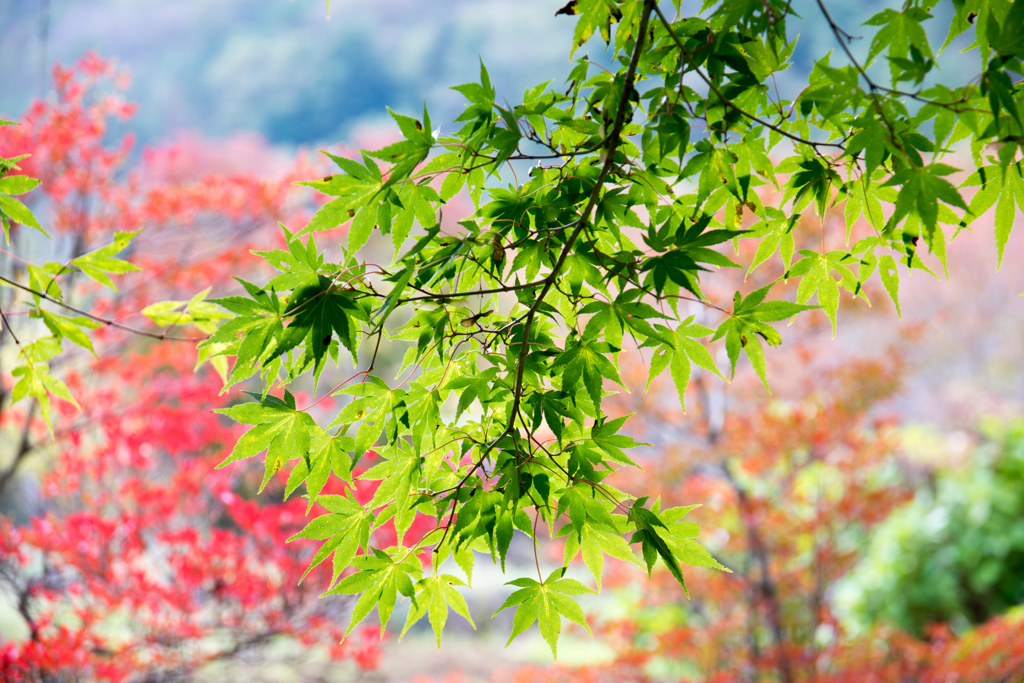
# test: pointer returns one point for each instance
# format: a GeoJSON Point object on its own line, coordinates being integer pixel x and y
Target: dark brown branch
{"type": "Point", "coordinates": [464, 295]}
{"type": "Point", "coordinates": [766, 586]}
{"type": "Point", "coordinates": [7, 326]}
{"type": "Point", "coordinates": [24, 448]}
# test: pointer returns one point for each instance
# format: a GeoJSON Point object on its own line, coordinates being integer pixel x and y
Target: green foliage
{"type": "Point", "coordinates": [96, 264]}
{"type": "Point", "coordinates": [512, 324]}
{"type": "Point", "coordinates": [546, 603]}
{"type": "Point", "coordinates": [33, 378]}
{"type": "Point", "coordinates": [32, 375]}
{"type": "Point", "coordinates": [11, 209]}
{"type": "Point", "coordinates": [956, 552]}
{"type": "Point", "coordinates": [435, 596]}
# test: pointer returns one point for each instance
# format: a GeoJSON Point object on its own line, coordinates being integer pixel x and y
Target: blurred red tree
{"type": "Point", "coordinates": [136, 560]}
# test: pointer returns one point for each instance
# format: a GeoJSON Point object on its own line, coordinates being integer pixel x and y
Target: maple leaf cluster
{"type": "Point", "coordinates": [795, 488]}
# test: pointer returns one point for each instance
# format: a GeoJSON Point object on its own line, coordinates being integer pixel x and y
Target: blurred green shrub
{"type": "Point", "coordinates": [955, 553]}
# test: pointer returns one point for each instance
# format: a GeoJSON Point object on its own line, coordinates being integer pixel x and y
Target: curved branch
{"type": "Point", "coordinates": [729, 103]}
{"type": "Point", "coordinates": [104, 321]}
{"type": "Point", "coordinates": [464, 295]}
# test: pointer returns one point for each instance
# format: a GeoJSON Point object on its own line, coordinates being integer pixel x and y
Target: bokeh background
{"type": "Point", "coordinates": [872, 508]}
{"type": "Point", "coordinates": [282, 69]}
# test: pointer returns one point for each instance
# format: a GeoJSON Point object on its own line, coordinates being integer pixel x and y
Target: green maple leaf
{"type": "Point", "coordinates": [652, 542]}
{"type": "Point", "coordinates": [344, 530]}
{"type": "Point", "coordinates": [593, 15]}
{"type": "Point", "coordinates": [679, 356]}
{"type": "Point", "coordinates": [374, 403]}
{"type": "Point", "coordinates": [890, 277]}
{"type": "Point", "coordinates": [354, 189]}
{"type": "Point", "coordinates": [678, 536]}
{"type": "Point", "coordinates": [813, 180]}
{"type": "Point", "coordinates": [596, 543]}
{"type": "Point", "coordinates": [280, 430]}
{"type": "Point", "coordinates": [165, 313]}
{"type": "Point", "coordinates": [197, 311]}
{"type": "Point", "coordinates": [436, 595]}
{"type": "Point", "coordinates": [554, 407]}
{"type": "Point", "coordinates": [618, 316]}
{"type": "Point", "coordinates": [874, 140]}
{"type": "Point", "coordinates": [900, 31]}
{"type": "Point", "coordinates": [406, 154]}
{"type": "Point", "coordinates": [12, 209]}
{"type": "Point", "coordinates": [253, 335]}
{"type": "Point", "coordinates": [96, 264]}
{"type": "Point", "coordinates": [545, 603]}
{"type": "Point", "coordinates": [478, 517]}
{"type": "Point", "coordinates": [676, 266]}
{"type": "Point", "coordinates": [319, 311]}
{"type": "Point", "coordinates": [17, 184]}
{"type": "Point", "coordinates": [749, 320]}
{"type": "Point", "coordinates": [300, 264]}
{"type": "Point", "coordinates": [380, 581]}
{"type": "Point", "coordinates": [815, 271]}
{"type": "Point", "coordinates": [71, 328]}
{"type": "Point", "coordinates": [1008, 39]}
{"type": "Point", "coordinates": [921, 189]}
{"type": "Point", "coordinates": [33, 379]}
{"type": "Point", "coordinates": [587, 362]}
{"type": "Point", "coordinates": [606, 437]}
{"type": "Point", "coordinates": [44, 280]}
{"type": "Point", "coordinates": [327, 454]}
{"type": "Point", "coordinates": [976, 14]}
{"type": "Point", "coordinates": [604, 320]}
{"type": "Point", "coordinates": [1006, 213]}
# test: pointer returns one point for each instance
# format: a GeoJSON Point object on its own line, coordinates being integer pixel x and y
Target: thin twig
{"type": "Point", "coordinates": [729, 103]}
{"type": "Point", "coordinates": [7, 326]}
{"type": "Point", "coordinates": [105, 321]}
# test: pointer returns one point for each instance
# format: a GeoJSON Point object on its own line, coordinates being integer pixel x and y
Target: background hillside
{"type": "Point", "coordinates": [281, 69]}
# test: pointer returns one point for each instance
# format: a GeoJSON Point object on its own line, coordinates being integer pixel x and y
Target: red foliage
{"type": "Point", "coordinates": [144, 559]}
{"type": "Point", "coordinates": [66, 140]}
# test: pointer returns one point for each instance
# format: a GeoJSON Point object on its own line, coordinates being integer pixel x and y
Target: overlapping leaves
{"type": "Point", "coordinates": [510, 327]}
